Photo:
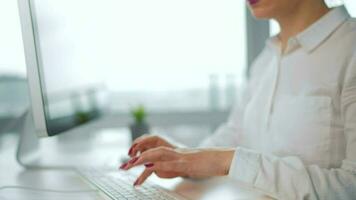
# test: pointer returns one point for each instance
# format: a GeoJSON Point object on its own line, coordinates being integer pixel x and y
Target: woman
{"type": "Point", "coordinates": [293, 135]}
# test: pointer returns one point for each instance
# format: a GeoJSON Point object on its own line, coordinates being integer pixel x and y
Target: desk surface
{"type": "Point", "coordinates": [11, 173]}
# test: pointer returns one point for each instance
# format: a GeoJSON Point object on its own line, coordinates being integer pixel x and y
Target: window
{"type": "Point", "coordinates": [171, 56]}
{"type": "Point", "coordinates": [349, 4]}
{"type": "Point", "coordinates": [351, 7]}
{"type": "Point", "coordinates": [11, 49]}
{"type": "Point", "coordinates": [274, 27]}
{"type": "Point", "coordinates": [13, 86]}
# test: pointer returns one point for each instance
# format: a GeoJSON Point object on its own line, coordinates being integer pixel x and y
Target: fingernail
{"type": "Point", "coordinates": [149, 165]}
{"type": "Point", "coordinates": [130, 151]}
{"type": "Point", "coordinates": [123, 166]}
{"type": "Point", "coordinates": [136, 183]}
{"type": "Point", "coordinates": [132, 161]}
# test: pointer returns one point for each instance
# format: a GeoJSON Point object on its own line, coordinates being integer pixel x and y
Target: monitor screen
{"type": "Point", "coordinates": [141, 50]}
{"type": "Point", "coordinates": [66, 47]}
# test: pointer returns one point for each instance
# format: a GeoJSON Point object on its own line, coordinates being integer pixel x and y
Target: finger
{"type": "Point", "coordinates": [152, 156]}
{"type": "Point", "coordinates": [135, 142]}
{"type": "Point", "coordinates": [130, 150]}
{"type": "Point", "coordinates": [140, 138]}
{"type": "Point", "coordinates": [143, 144]}
{"type": "Point", "coordinates": [142, 178]}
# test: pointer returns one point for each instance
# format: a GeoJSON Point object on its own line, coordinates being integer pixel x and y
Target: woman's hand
{"type": "Point", "coordinates": [169, 163]}
{"type": "Point", "coordinates": [147, 142]}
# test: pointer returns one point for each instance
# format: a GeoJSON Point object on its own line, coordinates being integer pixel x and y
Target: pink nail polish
{"type": "Point", "coordinates": [123, 166]}
{"type": "Point", "coordinates": [132, 161]}
{"type": "Point", "coordinates": [130, 151]}
{"type": "Point", "coordinates": [149, 165]}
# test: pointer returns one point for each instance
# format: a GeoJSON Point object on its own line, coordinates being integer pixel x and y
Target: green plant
{"type": "Point", "coordinates": [139, 114]}
{"type": "Point", "coordinates": [82, 117]}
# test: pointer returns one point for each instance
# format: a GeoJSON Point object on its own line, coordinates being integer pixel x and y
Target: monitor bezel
{"type": "Point", "coordinates": [33, 62]}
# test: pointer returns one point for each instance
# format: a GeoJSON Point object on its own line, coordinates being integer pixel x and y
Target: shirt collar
{"type": "Point", "coordinates": [273, 42]}
{"type": "Point", "coordinates": [315, 34]}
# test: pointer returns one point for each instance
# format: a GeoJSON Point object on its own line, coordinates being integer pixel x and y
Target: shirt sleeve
{"type": "Point", "coordinates": [289, 178]}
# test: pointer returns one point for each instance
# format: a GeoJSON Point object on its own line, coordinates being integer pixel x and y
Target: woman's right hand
{"type": "Point", "coordinates": [147, 142]}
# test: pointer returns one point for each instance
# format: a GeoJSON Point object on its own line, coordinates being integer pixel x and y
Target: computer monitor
{"type": "Point", "coordinates": [62, 96]}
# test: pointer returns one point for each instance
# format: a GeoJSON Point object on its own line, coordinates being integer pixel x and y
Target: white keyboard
{"type": "Point", "coordinates": [118, 185]}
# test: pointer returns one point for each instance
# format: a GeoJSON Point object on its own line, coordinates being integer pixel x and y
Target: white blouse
{"type": "Point", "coordinates": [295, 126]}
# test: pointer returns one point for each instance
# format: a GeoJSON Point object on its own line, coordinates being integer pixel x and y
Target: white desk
{"type": "Point", "coordinates": [13, 174]}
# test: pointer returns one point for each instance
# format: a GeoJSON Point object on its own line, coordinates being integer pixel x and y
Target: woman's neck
{"type": "Point", "coordinates": [302, 17]}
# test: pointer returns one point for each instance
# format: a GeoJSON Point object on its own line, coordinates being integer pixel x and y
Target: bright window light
{"type": "Point", "coordinates": [161, 53]}
{"type": "Point", "coordinates": [274, 28]}
{"type": "Point", "coordinates": [351, 7]}
{"type": "Point", "coordinates": [12, 59]}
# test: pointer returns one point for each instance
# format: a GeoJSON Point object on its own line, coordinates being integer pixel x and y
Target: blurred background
{"type": "Point", "coordinates": [184, 61]}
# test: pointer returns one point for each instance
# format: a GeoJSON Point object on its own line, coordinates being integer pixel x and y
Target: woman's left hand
{"type": "Point", "coordinates": [193, 163]}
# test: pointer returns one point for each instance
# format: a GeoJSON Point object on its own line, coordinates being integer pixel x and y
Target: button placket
{"type": "Point", "coordinates": [275, 79]}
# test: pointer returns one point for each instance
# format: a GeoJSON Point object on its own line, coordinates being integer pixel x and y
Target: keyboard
{"type": "Point", "coordinates": [118, 185]}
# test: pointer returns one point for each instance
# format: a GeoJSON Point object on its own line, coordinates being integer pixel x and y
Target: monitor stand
{"type": "Point", "coordinates": [59, 152]}
{"type": "Point", "coordinates": [28, 149]}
